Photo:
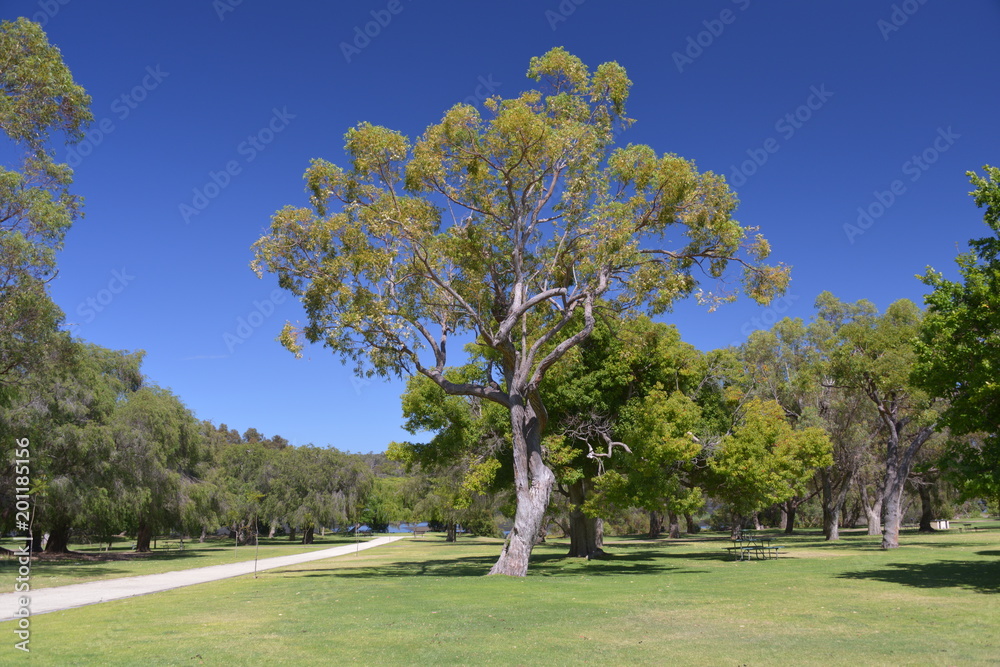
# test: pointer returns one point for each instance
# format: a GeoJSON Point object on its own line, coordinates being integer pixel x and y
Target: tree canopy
{"type": "Point", "coordinates": [505, 227]}
{"type": "Point", "coordinates": [959, 347]}
{"type": "Point", "coordinates": [38, 101]}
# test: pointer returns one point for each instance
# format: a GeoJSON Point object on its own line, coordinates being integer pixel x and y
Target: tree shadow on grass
{"type": "Point", "coordinates": [543, 565]}
{"type": "Point", "coordinates": [979, 576]}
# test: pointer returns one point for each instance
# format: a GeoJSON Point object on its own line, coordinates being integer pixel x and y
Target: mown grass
{"type": "Point", "coordinates": [120, 561]}
{"type": "Point", "coordinates": [933, 602]}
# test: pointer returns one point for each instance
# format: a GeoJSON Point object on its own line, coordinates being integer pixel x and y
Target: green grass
{"type": "Point", "coordinates": [167, 557]}
{"type": "Point", "coordinates": [936, 601]}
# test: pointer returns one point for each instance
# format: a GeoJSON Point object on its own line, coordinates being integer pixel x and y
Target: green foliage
{"type": "Point", "coordinates": [764, 461]}
{"type": "Point", "coordinates": [959, 348]}
{"type": "Point", "coordinates": [38, 100]}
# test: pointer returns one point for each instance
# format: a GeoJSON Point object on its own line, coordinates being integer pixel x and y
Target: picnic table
{"type": "Point", "coordinates": [748, 544]}
{"type": "Point", "coordinates": [419, 530]}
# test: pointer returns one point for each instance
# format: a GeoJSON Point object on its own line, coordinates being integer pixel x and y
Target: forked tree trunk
{"type": "Point", "coordinates": [897, 470]}
{"type": "Point", "coordinates": [692, 527]}
{"type": "Point", "coordinates": [655, 525]}
{"type": "Point", "coordinates": [873, 510]}
{"type": "Point", "coordinates": [143, 537]}
{"type": "Point", "coordinates": [583, 529]}
{"type": "Point", "coordinates": [533, 483]}
{"type": "Point", "coordinates": [452, 532]}
{"type": "Point", "coordinates": [675, 525]}
{"type": "Point", "coordinates": [788, 509]}
{"type": "Point", "coordinates": [308, 535]}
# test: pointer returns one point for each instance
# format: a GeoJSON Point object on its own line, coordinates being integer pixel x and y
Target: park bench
{"type": "Point", "coordinates": [964, 527]}
{"type": "Point", "coordinates": [419, 530]}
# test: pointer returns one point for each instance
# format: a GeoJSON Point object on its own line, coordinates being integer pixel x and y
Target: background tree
{"type": "Point", "coordinates": [790, 364]}
{"type": "Point", "coordinates": [546, 220]}
{"type": "Point", "coordinates": [959, 348]}
{"type": "Point", "coordinates": [67, 409]}
{"type": "Point", "coordinates": [764, 460]}
{"type": "Point", "coordinates": [875, 355]}
{"type": "Point", "coordinates": [38, 101]}
{"type": "Point", "coordinates": [157, 447]}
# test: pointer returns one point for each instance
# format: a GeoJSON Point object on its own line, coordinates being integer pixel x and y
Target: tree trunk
{"type": "Point", "coordinates": [675, 525]}
{"type": "Point", "coordinates": [533, 483]}
{"type": "Point", "coordinates": [143, 537]}
{"type": "Point", "coordinates": [692, 527]}
{"type": "Point", "coordinates": [893, 514]}
{"type": "Point", "coordinates": [897, 470]}
{"type": "Point", "coordinates": [308, 535]}
{"type": "Point", "coordinates": [543, 531]}
{"type": "Point", "coordinates": [873, 510]}
{"type": "Point", "coordinates": [452, 532]}
{"type": "Point", "coordinates": [737, 526]}
{"type": "Point", "coordinates": [58, 540]}
{"type": "Point", "coordinates": [270, 531]}
{"type": "Point", "coordinates": [926, 507]}
{"type": "Point", "coordinates": [204, 534]}
{"type": "Point", "coordinates": [291, 534]}
{"type": "Point", "coordinates": [788, 509]}
{"type": "Point", "coordinates": [756, 521]}
{"type": "Point", "coordinates": [655, 525]}
{"type": "Point", "coordinates": [583, 530]}
{"type": "Point", "coordinates": [834, 496]}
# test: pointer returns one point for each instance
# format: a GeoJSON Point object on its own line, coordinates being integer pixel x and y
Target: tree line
{"type": "Point", "coordinates": [526, 227]}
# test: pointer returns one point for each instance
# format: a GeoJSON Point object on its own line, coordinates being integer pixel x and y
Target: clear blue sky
{"type": "Point", "coordinates": [882, 96]}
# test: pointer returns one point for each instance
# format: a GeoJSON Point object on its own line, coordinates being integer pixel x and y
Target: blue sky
{"type": "Point", "coordinates": [207, 113]}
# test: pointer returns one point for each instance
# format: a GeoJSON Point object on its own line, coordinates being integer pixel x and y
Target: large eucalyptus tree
{"type": "Point", "coordinates": [506, 227]}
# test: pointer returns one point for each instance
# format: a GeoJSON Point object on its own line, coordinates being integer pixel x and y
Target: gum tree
{"type": "Point", "coordinates": [959, 348]}
{"type": "Point", "coordinates": [505, 228]}
{"type": "Point", "coordinates": [38, 101]}
{"type": "Point", "coordinates": [874, 354]}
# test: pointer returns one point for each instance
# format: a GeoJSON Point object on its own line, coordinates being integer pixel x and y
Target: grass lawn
{"type": "Point", "coordinates": [936, 601]}
{"type": "Point", "coordinates": [121, 561]}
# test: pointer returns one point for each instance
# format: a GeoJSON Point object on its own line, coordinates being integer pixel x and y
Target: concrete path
{"type": "Point", "coordinates": [58, 598]}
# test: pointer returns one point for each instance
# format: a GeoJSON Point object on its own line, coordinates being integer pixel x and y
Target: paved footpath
{"type": "Point", "coordinates": [58, 598]}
